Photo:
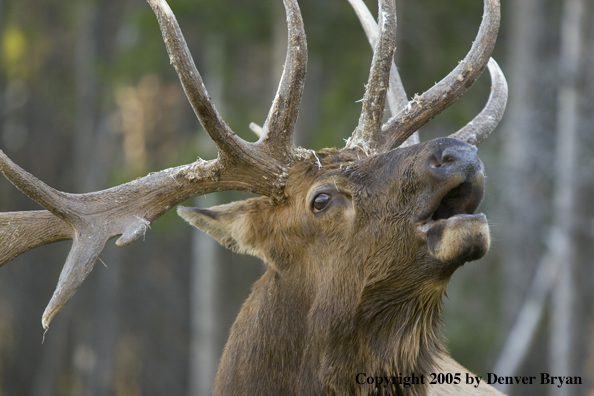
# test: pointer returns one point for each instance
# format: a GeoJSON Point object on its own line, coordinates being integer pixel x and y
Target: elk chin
{"type": "Point", "coordinates": [457, 239]}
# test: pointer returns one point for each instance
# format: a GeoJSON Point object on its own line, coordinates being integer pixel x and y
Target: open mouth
{"type": "Point", "coordinates": [454, 233]}
{"type": "Point", "coordinates": [459, 201]}
{"type": "Point", "coordinates": [463, 199]}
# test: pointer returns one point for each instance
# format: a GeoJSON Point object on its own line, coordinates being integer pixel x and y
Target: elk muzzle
{"type": "Point", "coordinates": [454, 233]}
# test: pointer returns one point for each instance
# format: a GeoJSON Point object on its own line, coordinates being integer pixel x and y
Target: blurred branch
{"type": "Point", "coordinates": [518, 343]}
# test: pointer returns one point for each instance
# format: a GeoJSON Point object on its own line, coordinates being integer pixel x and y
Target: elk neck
{"type": "Point", "coordinates": [328, 307]}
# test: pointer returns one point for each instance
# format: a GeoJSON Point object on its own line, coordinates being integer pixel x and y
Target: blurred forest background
{"type": "Point", "coordinates": [89, 100]}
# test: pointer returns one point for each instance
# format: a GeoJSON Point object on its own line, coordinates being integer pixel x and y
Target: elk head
{"type": "Point", "coordinates": [359, 242]}
{"type": "Point", "coordinates": [409, 210]}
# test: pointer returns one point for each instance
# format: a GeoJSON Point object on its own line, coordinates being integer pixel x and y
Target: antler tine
{"type": "Point", "coordinates": [486, 121]}
{"type": "Point", "coordinates": [83, 255]}
{"type": "Point", "coordinates": [396, 93]}
{"type": "Point", "coordinates": [229, 144]}
{"type": "Point", "coordinates": [277, 131]}
{"type": "Point", "coordinates": [443, 94]}
{"type": "Point", "coordinates": [397, 99]}
{"type": "Point", "coordinates": [367, 135]}
{"type": "Point", "coordinates": [269, 159]}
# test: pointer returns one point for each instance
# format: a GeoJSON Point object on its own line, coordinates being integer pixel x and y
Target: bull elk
{"type": "Point", "coordinates": [359, 243]}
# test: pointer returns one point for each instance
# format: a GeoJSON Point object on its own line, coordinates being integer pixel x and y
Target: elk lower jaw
{"type": "Point", "coordinates": [458, 239]}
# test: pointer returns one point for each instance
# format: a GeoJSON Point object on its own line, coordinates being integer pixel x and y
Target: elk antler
{"type": "Point", "coordinates": [396, 94]}
{"type": "Point", "coordinates": [128, 210]}
{"type": "Point", "coordinates": [285, 107]}
{"type": "Point", "coordinates": [426, 106]}
{"type": "Point", "coordinates": [485, 122]}
{"type": "Point", "coordinates": [367, 135]}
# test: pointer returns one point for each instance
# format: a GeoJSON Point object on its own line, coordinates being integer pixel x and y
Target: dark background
{"type": "Point", "coordinates": [89, 100]}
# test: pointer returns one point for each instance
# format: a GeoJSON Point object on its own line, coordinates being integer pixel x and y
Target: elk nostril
{"type": "Point", "coordinates": [453, 155]}
{"type": "Point", "coordinates": [448, 158]}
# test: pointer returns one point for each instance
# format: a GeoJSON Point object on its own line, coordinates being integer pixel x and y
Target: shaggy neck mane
{"type": "Point", "coordinates": [400, 331]}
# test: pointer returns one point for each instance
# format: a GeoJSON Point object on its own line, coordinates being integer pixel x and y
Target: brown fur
{"type": "Point", "coordinates": [357, 287]}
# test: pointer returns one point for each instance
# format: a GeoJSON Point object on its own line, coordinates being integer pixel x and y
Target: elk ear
{"type": "Point", "coordinates": [228, 224]}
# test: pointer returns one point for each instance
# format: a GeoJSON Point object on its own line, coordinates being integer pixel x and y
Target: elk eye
{"type": "Point", "coordinates": [320, 202]}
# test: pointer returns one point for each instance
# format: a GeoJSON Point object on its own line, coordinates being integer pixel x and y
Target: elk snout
{"type": "Point", "coordinates": [452, 156]}
{"type": "Point", "coordinates": [455, 234]}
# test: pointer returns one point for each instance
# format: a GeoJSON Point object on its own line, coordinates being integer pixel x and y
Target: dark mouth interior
{"type": "Point", "coordinates": [460, 200]}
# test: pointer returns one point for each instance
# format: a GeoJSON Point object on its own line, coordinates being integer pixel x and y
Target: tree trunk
{"type": "Point", "coordinates": [565, 340]}
{"type": "Point", "coordinates": [95, 336]}
{"type": "Point", "coordinates": [524, 187]}
{"type": "Point", "coordinates": [205, 324]}
{"type": "Point", "coordinates": [205, 286]}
